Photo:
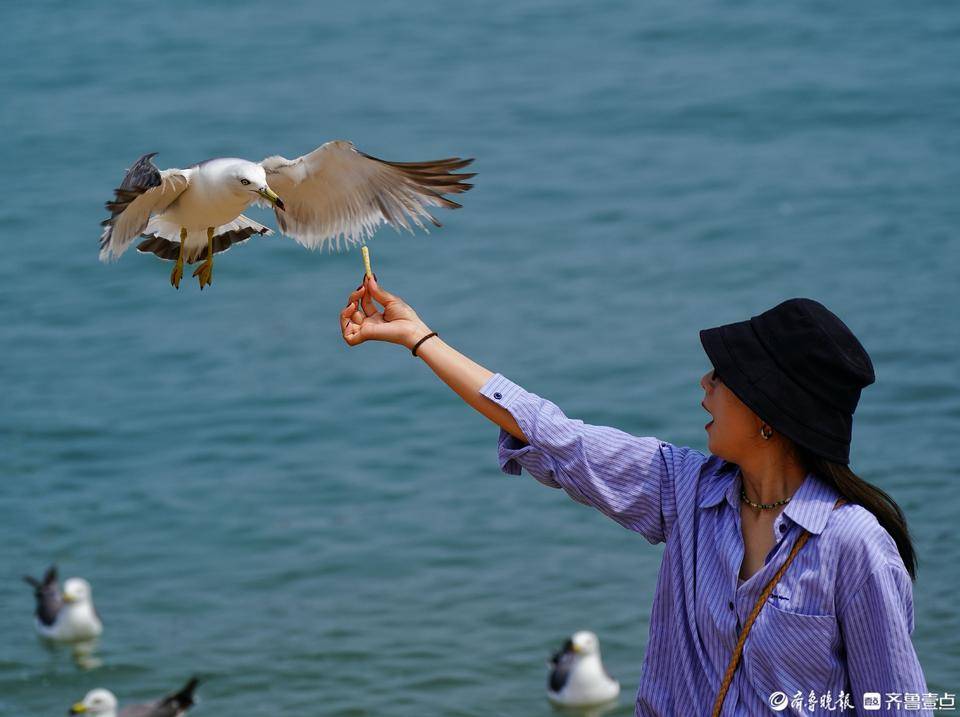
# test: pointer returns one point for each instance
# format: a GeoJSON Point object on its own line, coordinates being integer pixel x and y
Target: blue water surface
{"type": "Point", "coordinates": [320, 530]}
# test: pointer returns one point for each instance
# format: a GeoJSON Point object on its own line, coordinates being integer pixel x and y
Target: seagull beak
{"type": "Point", "coordinates": [68, 599]}
{"type": "Point", "coordinates": [78, 709]}
{"type": "Point", "coordinates": [575, 648]}
{"type": "Point", "coordinates": [271, 196]}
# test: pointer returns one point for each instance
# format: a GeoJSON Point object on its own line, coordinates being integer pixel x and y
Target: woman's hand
{"type": "Point", "coordinates": [395, 323]}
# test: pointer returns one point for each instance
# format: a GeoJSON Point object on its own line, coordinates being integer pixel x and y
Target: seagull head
{"type": "Point", "coordinates": [76, 590]}
{"type": "Point", "coordinates": [97, 703]}
{"type": "Point", "coordinates": [584, 642]}
{"type": "Point", "coordinates": [250, 177]}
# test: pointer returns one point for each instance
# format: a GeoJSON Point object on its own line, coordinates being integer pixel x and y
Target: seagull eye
{"type": "Point", "coordinates": [244, 182]}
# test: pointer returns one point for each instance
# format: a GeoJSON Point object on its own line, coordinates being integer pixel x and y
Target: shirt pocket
{"type": "Point", "coordinates": [791, 651]}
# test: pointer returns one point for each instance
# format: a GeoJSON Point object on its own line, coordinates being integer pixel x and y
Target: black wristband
{"type": "Point", "coordinates": [417, 345]}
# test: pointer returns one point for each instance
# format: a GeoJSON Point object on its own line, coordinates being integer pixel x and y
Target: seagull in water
{"type": "Point", "coordinates": [577, 676]}
{"type": "Point", "coordinates": [332, 194]}
{"type": "Point", "coordinates": [102, 703]}
{"type": "Point", "coordinates": [67, 615]}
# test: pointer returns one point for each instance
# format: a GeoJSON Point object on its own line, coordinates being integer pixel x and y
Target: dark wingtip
{"type": "Point", "coordinates": [186, 694]}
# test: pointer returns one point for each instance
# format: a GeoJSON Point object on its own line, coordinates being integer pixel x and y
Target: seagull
{"type": "Point", "coordinates": [67, 616]}
{"type": "Point", "coordinates": [103, 703]}
{"type": "Point", "coordinates": [577, 676]}
{"type": "Point", "coordinates": [334, 194]}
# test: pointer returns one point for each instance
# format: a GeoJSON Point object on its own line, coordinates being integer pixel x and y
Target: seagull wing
{"type": "Point", "coordinates": [560, 665]}
{"type": "Point", "coordinates": [338, 191]}
{"type": "Point", "coordinates": [172, 705]}
{"type": "Point", "coordinates": [145, 190]}
{"type": "Point", "coordinates": [47, 593]}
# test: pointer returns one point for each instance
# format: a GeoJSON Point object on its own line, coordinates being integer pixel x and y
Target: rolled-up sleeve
{"type": "Point", "coordinates": [627, 478]}
{"type": "Point", "coordinates": [877, 622]}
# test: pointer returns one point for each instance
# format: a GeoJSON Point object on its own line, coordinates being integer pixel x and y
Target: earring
{"type": "Point", "coordinates": [766, 432]}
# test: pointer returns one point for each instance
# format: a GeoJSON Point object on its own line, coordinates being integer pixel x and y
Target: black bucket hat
{"type": "Point", "coordinates": [799, 368]}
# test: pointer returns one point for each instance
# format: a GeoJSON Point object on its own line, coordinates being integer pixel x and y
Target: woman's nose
{"type": "Point", "coordinates": [705, 381]}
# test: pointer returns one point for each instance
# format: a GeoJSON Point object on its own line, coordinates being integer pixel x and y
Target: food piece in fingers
{"type": "Point", "coordinates": [366, 261]}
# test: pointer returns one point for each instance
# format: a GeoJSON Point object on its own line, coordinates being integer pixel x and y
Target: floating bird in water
{"type": "Point", "coordinates": [332, 194]}
{"type": "Point", "coordinates": [67, 615]}
{"type": "Point", "coordinates": [102, 703]}
{"type": "Point", "coordinates": [577, 677]}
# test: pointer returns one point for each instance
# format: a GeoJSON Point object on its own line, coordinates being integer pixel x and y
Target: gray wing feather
{"type": "Point", "coordinates": [338, 193]}
{"type": "Point", "coordinates": [137, 711]}
{"type": "Point", "coordinates": [47, 593]}
{"type": "Point", "coordinates": [143, 191]}
{"type": "Point", "coordinates": [237, 232]}
{"type": "Point", "coordinates": [173, 705]}
{"type": "Point", "coordinates": [560, 665]}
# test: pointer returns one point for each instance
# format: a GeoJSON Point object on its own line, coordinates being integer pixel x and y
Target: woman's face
{"type": "Point", "coordinates": [734, 430]}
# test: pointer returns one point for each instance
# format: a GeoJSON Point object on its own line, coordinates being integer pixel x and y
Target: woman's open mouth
{"type": "Point", "coordinates": [710, 422]}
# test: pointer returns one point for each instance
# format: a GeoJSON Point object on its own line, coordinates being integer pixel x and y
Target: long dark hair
{"type": "Point", "coordinates": [856, 490]}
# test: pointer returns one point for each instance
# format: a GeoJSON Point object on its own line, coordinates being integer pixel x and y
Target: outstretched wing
{"type": "Point", "coordinates": [337, 192]}
{"type": "Point", "coordinates": [145, 190]}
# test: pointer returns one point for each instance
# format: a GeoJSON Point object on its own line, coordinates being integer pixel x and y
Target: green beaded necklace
{"type": "Point", "coordinates": [743, 497]}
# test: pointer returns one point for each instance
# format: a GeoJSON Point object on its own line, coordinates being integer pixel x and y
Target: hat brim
{"type": "Point", "coordinates": [748, 370]}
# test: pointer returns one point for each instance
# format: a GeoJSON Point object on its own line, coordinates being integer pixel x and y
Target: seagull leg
{"type": "Point", "coordinates": [205, 270]}
{"type": "Point", "coordinates": [177, 272]}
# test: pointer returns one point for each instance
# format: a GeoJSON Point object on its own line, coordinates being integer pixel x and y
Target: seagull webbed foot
{"type": "Point", "coordinates": [176, 274]}
{"type": "Point", "coordinates": [204, 272]}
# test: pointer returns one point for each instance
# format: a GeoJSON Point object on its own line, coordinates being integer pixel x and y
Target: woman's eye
{"type": "Point", "coordinates": [715, 377]}
{"type": "Point", "coordinates": [244, 182]}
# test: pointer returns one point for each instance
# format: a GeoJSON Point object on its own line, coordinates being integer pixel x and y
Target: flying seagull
{"type": "Point", "coordinates": [332, 194]}
{"type": "Point", "coordinates": [67, 615]}
{"type": "Point", "coordinates": [577, 676]}
{"type": "Point", "coordinates": [103, 703]}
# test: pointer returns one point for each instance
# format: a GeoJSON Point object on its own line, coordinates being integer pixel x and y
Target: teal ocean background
{"type": "Point", "coordinates": [320, 530]}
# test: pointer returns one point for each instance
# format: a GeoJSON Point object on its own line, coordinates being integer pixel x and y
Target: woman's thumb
{"type": "Point", "coordinates": [379, 294]}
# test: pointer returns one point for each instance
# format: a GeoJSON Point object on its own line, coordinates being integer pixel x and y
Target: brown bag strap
{"type": "Point", "coordinates": [738, 650]}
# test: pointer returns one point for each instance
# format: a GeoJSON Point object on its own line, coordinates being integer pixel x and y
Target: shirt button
{"type": "Point", "coordinates": [783, 527]}
{"type": "Point", "coordinates": [730, 605]}
{"type": "Point", "coordinates": [497, 395]}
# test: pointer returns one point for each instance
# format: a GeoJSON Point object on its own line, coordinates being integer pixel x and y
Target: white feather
{"type": "Point", "coordinates": [196, 243]}
{"type": "Point", "coordinates": [132, 221]}
{"type": "Point", "coordinates": [338, 195]}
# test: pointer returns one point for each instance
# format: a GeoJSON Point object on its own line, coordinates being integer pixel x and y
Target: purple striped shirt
{"type": "Point", "coordinates": [839, 621]}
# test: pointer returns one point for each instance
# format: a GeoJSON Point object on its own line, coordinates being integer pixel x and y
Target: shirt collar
{"type": "Point", "coordinates": [809, 507]}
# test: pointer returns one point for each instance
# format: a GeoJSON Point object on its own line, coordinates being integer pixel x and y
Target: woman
{"type": "Point", "coordinates": [784, 385]}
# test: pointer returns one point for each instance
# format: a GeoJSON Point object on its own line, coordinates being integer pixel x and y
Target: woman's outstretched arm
{"type": "Point", "coordinates": [398, 323]}
{"type": "Point", "coordinates": [628, 478]}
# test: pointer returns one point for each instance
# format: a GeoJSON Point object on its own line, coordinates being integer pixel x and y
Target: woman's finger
{"type": "Point", "coordinates": [379, 294]}
{"type": "Point", "coordinates": [366, 301]}
{"type": "Point", "coordinates": [345, 315]}
{"type": "Point", "coordinates": [352, 334]}
{"type": "Point", "coordinates": [356, 294]}
{"type": "Point", "coordinates": [357, 317]}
